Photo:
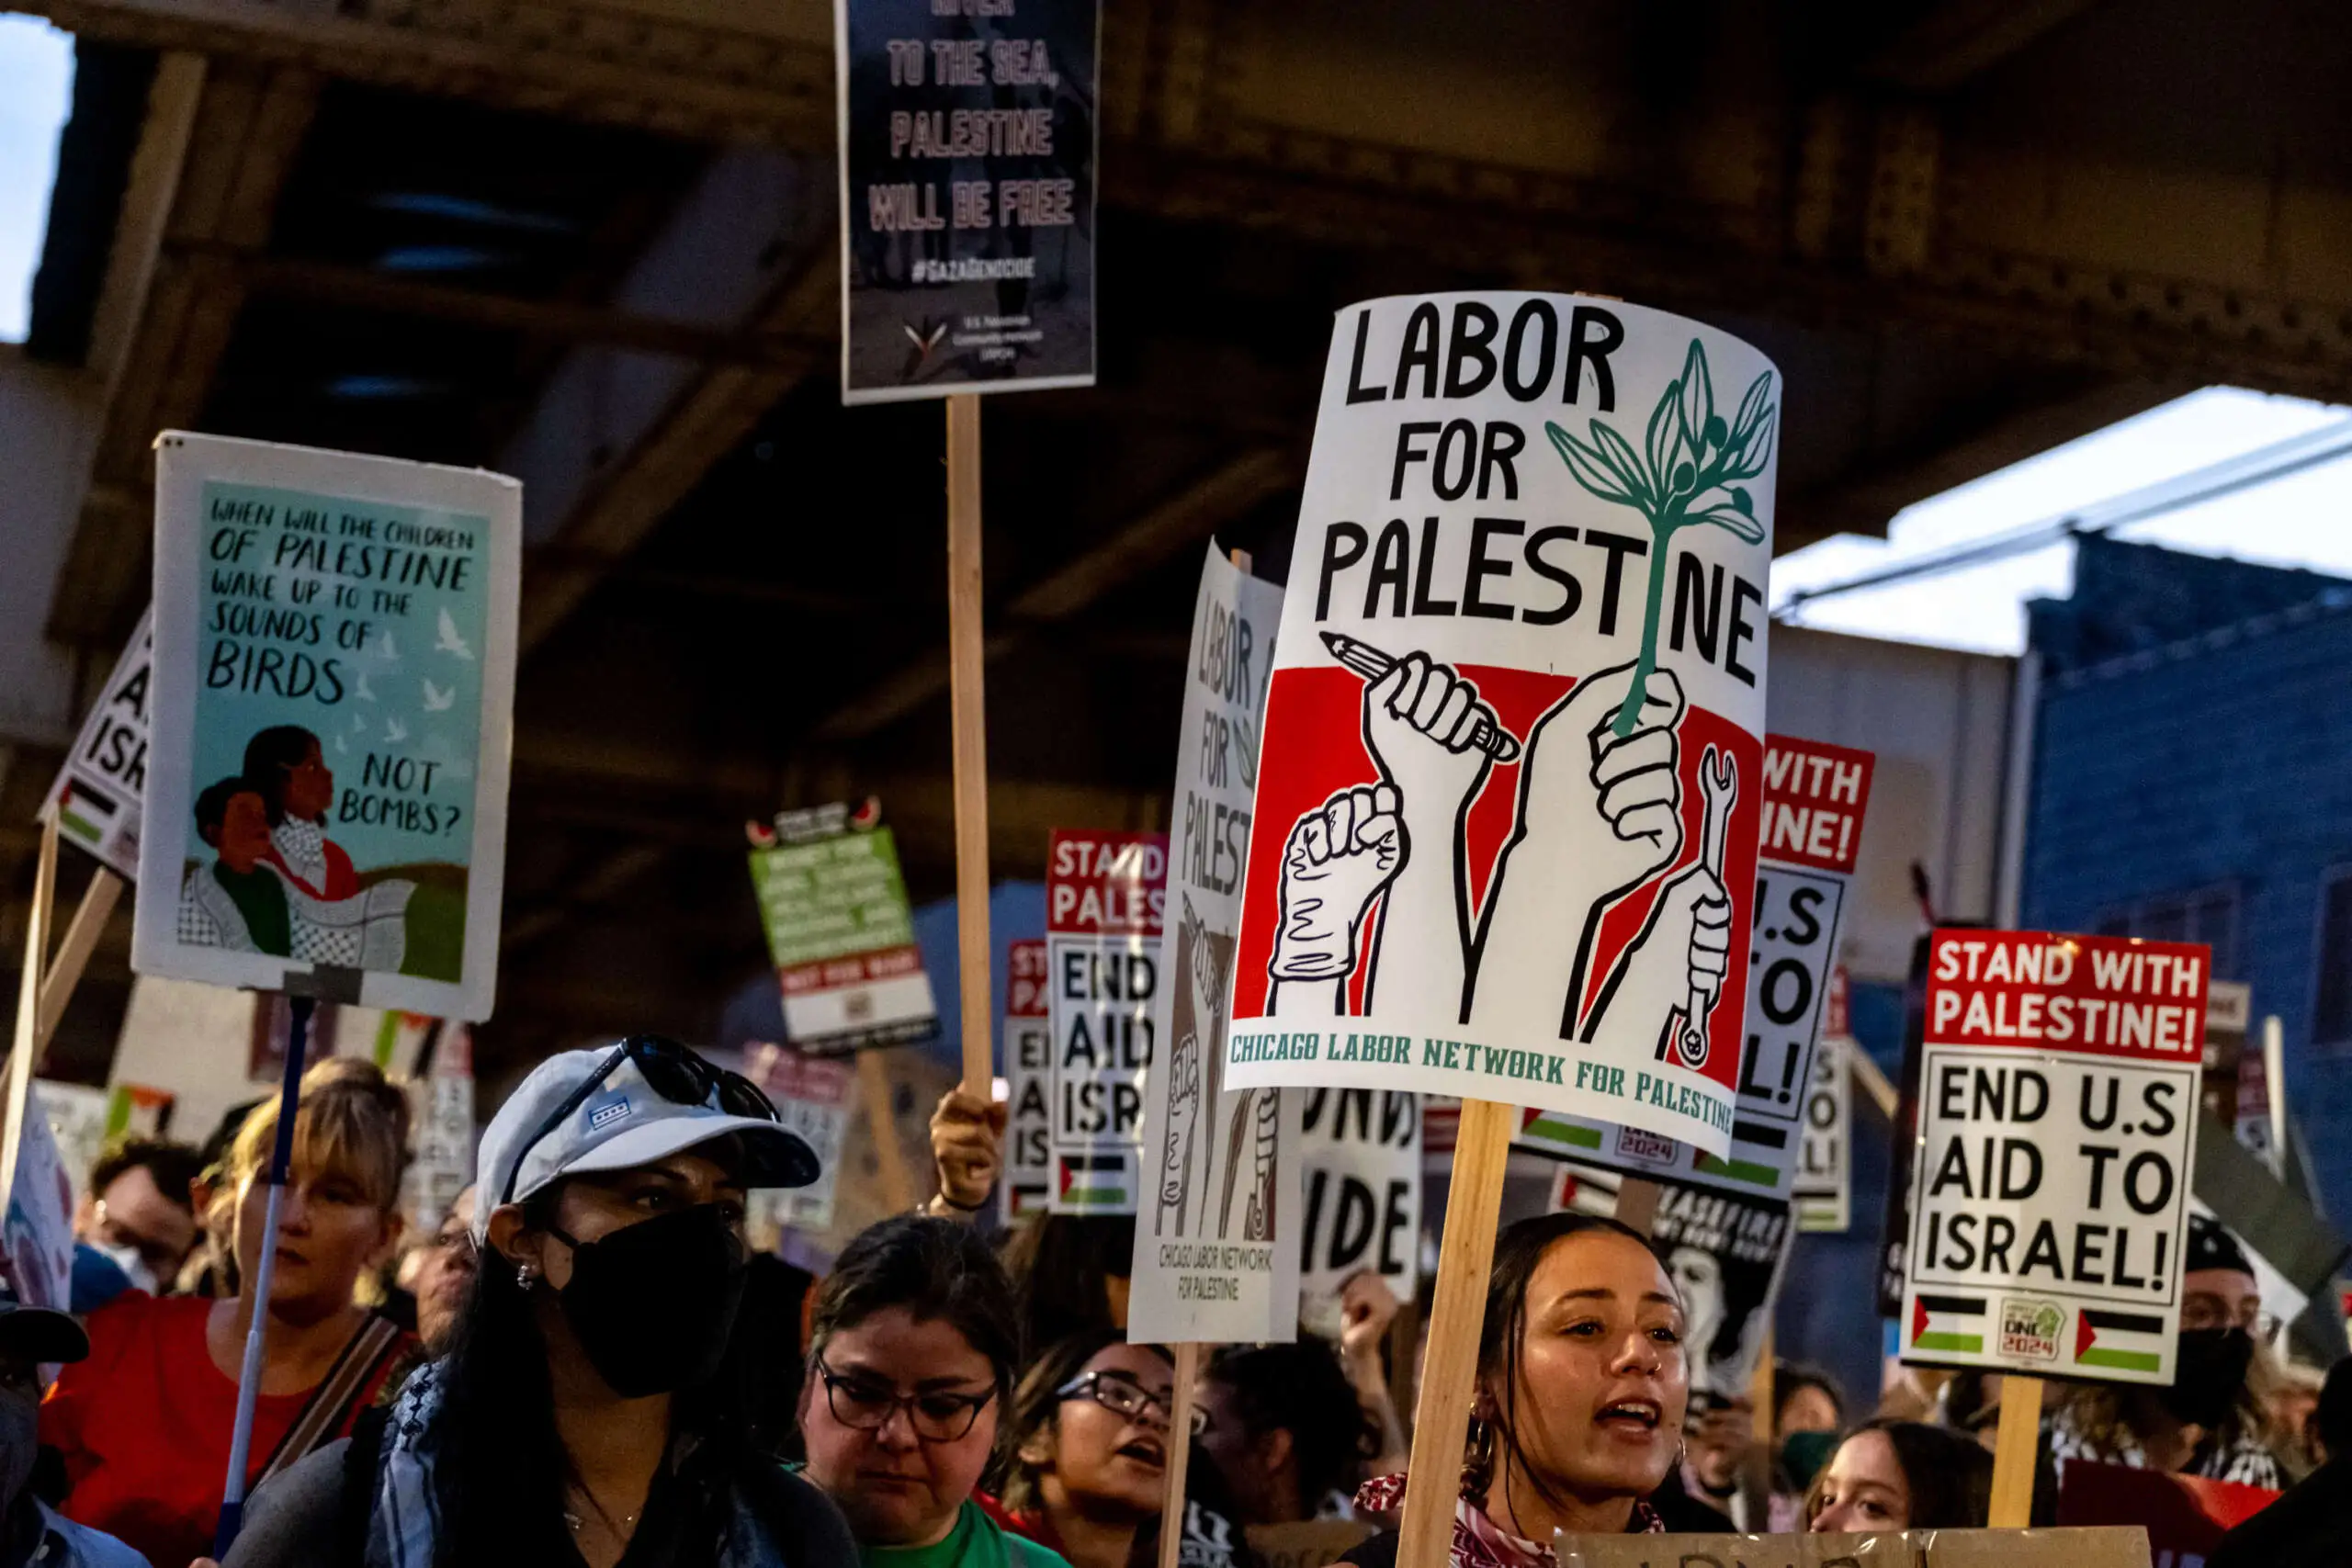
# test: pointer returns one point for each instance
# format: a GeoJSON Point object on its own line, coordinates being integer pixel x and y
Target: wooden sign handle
{"type": "Point", "coordinates": [2015, 1446]}
{"type": "Point", "coordinates": [967, 662]}
{"type": "Point", "coordinates": [25, 1045]}
{"type": "Point", "coordinates": [874, 1087]}
{"type": "Point", "coordinates": [65, 972]}
{"type": "Point", "coordinates": [1180, 1453]}
{"type": "Point", "coordinates": [1638, 1204]}
{"type": "Point", "coordinates": [1450, 1374]}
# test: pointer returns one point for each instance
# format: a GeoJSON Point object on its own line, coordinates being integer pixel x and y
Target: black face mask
{"type": "Point", "coordinates": [653, 1304]}
{"type": "Point", "coordinates": [2208, 1375]}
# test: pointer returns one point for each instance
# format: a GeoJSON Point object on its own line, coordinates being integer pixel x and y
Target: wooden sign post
{"type": "Point", "coordinates": [25, 1043]}
{"type": "Point", "coordinates": [65, 972]}
{"type": "Point", "coordinates": [1180, 1453]}
{"type": "Point", "coordinates": [1449, 1377]}
{"type": "Point", "coordinates": [968, 658]}
{"type": "Point", "coordinates": [2015, 1444]}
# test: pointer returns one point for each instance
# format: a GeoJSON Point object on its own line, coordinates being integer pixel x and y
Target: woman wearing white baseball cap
{"type": "Point", "coordinates": [587, 1413]}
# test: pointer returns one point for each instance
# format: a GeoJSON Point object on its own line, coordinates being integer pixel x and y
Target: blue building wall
{"type": "Point", "coordinates": [2172, 756]}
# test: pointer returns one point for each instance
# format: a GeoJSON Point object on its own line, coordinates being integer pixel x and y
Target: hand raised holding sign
{"type": "Point", "coordinates": [966, 1147]}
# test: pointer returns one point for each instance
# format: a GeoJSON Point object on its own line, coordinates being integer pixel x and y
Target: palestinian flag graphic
{"type": "Point", "coordinates": [2121, 1341]}
{"type": "Point", "coordinates": [85, 812]}
{"type": "Point", "coordinates": [1092, 1181]}
{"type": "Point", "coordinates": [1951, 1324]}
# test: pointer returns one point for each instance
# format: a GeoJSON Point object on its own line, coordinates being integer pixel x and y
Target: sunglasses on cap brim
{"type": "Point", "coordinates": [670, 1070]}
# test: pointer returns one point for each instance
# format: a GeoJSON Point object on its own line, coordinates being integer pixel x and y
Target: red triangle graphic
{"type": "Point", "coordinates": [1918, 1319]}
{"type": "Point", "coordinates": [2084, 1334]}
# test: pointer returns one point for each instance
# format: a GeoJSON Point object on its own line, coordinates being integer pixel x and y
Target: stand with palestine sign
{"type": "Point", "coordinates": [2057, 1116]}
{"type": "Point", "coordinates": [1105, 894]}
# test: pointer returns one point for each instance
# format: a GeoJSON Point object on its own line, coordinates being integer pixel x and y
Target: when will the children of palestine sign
{"type": "Point", "coordinates": [968, 138]}
{"type": "Point", "coordinates": [333, 682]}
{"type": "Point", "coordinates": [1504, 843]}
{"type": "Point", "coordinates": [2058, 1090]}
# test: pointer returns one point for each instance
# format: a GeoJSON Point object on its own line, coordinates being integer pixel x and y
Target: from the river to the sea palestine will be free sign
{"type": "Point", "coordinates": [967, 167]}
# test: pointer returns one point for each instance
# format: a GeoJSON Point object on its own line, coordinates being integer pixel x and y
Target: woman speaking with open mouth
{"type": "Point", "coordinates": [1089, 1447]}
{"type": "Point", "coordinates": [1582, 1385]}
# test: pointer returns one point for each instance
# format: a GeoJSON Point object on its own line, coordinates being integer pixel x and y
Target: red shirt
{"type": "Point", "coordinates": [145, 1425]}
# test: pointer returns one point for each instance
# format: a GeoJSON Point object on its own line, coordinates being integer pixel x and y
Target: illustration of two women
{"type": "Point", "coordinates": [278, 884]}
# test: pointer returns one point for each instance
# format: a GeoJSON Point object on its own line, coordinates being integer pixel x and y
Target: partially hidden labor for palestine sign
{"type": "Point", "coordinates": [2058, 1091]}
{"type": "Point", "coordinates": [1105, 893]}
{"type": "Point", "coordinates": [333, 683]}
{"type": "Point", "coordinates": [1815, 798]}
{"type": "Point", "coordinates": [1028, 1183]}
{"type": "Point", "coordinates": [98, 791]}
{"type": "Point", "coordinates": [967, 178]}
{"type": "Point", "coordinates": [1216, 1234]}
{"type": "Point", "coordinates": [842, 935]}
{"type": "Point", "coordinates": [1504, 843]}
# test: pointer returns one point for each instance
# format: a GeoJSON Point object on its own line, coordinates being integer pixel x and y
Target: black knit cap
{"type": "Point", "coordinates": [2211, 1245]}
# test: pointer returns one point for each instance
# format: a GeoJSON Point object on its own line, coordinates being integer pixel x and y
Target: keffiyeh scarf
{"type": "Point", "coordinates": [1479, 1541]}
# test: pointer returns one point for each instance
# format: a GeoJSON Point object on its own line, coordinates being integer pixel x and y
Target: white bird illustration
{"type": "Point", "coordinates": [358, 722]}
{"type": "Point", "coordinates": [394, 732]}
{"type": "Point", "coordinates": [450, 642]}
{"type": "Point", "coordinates": [389, 649]}
{"type": "Point", "coordinates": [361, 691]}
{"type": "Point", "coordinates": [341, 747]}
{"type": "Point", "coordinates": [436, 699]}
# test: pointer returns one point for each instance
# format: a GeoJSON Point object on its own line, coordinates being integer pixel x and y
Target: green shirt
{"type": "Point", "coordinates": [976, 1541]}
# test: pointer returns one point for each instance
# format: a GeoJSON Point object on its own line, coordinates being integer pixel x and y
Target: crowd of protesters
{"type": "Point", "coordinates": [584, 1363]}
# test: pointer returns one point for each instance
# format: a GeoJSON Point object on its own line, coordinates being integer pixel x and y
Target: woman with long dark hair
{"type": "Point", "coordinates": [1898, 1475]}
{"type": "Point", "coordinates": [1582, 1390]}
{"type": "Point", "coordinates": [1086, 1456]}
{"type": "Point", "coordinates": [587, 1413]}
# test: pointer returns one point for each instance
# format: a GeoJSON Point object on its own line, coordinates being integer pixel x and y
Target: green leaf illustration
{"type": "Point", "coordinates": [1689, 455]}
{"type": "Point", "coordinates": [1736, 521]}
{"type": "Point", "coordinates": [1697, 401]}
{"type": "Point", "coordinates": [1590, 469]}
{"type": "Point", "coordinates": [1622, 457]}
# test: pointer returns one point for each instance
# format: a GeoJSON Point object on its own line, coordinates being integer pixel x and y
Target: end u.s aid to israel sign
{"type": "Point", "coordinates": [2057, 1119]}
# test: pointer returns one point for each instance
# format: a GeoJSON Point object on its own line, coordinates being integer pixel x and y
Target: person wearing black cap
{"type": "Point", "coordinates": [589, 1412]}
{"type": "Point", "coordinates": [31, 1531]}
{"type": "Point", "coordinates": [2205, 1424]}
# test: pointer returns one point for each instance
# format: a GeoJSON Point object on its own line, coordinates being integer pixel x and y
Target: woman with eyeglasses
{"type": "Point", "coordinates": [2210, 1421]}
{"type": "Point", "coordinates": [1088, 1447]}
{"type": "Point", "coordinates": [911, 1348]}
{"type": "Point", "coordinates": [586, 1413]}
{"type": "Point", "coordinates": [1583, 1383]}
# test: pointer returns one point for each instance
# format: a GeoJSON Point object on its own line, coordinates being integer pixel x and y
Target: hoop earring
{"type": "Point", "coordinates": [1478, 1465]}
{"type": "Point", "coordinates": [525, 1276]}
